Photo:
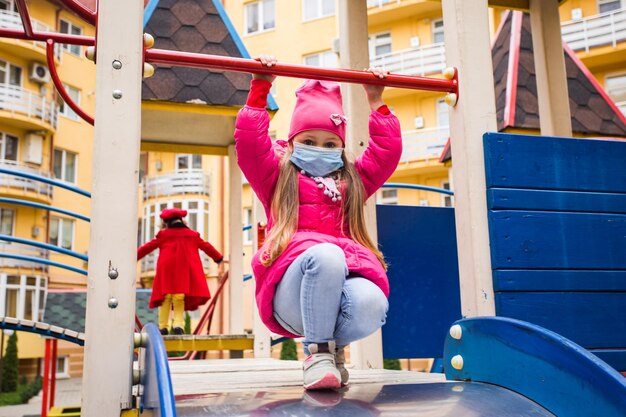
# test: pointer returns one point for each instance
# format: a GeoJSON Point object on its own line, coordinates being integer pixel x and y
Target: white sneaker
{"type": "Point", "coordinates": [319, 368]}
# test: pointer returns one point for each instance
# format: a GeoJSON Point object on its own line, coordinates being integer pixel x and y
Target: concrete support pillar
{"type": "Point", "coordinates": [554, 112]}
{"type": "Point", "coordinates": [235, 252]}
{"type": "Point", "coordinates": [466, 25]}
{"type": "Point", "coordinates": [354, 54]}
{"type": "Point", "coordinates": [109, 323]}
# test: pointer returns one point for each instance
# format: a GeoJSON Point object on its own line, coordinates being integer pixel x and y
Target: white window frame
{"type": "Point", "coordinates": [247, 221]}
{"type": "Point", "coordinates": [379, 39]}
{"type": "Point", "coordinates": [390, 200]}
{"type": "Point", "coordinates": [446, 200]}
{"type": "Point", "coordinates": [64, 109]}
{"type": "Point", "coordinates": [612, 3]}
{"type": "Point", "coordinates": [260, 16]}
{"type": "Point", "coordinates": [40, 290]}
{"type": "Point", "coordinates": [6, 209]}
{"type": "Point", "coordinates": [435, 30]}
{"type": "Point", "coordinates": [60, 236]}
{"type": "Point", "coordinates": [327, 59]}
{"type": "Point", "coordinates": [64, 154]}
{"type": "Point", "coordinates": [9, 68]}
{"type": "Point", "coordinates": [319, 13]}
{"type": "Point", "coordinates": [3, 147]}
{"type": "Point", "coordinates": [11, 4]}
{"type": "Point", "coordinates": [75, 50]}
{"type": "Point", "coordinates": [441, 104]}
{"type": "Point", "coordinates": [190, 157]}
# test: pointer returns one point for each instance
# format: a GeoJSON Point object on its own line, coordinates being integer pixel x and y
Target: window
{"type": "Point", "coordinates": [71, 29]}
{"type": "Point", "coordinates": [10, 75]}
{"type": "Point", "coordinates": [64, 109]}
{"type": "Point", "coordinates": [7, 5]}
{"type": "Point", "coordinates": [608, 5]}
{"type": "Point", "coordinates": [315, 9]}
{"type": "Point", "coordinates": [388, 196]}
{"type": "Point", "coordinates": [247, 221]}
{"type": "Point", "coordinates": [22, 296]}
{"type": "Point", "coordinates": [446, 200]}
{"type": "Point", "coordinates": [7, 216]}
{"type": "Point", "coordinates": [8, 147]}
{"type": "Point", "coordinates": [65, 165]}
{"type": "Point", "coordinates": [323, 59]}
{"type": "Point", "coordinates": [143, 165]}
{"type": "Point", "coordinates": [379, 44]}
{"type": "Point", "coordinates": [260, 16]}
{"type": "Point", "coordinates": [188, 161]}
{"type": "Point", "coordinates": [615, 86]}
{"type": "Point", "coordinates": [443, 114]}
{"type": "Point", "coordinates": [61, 232]}
{"type": "Point", "coordinates": [438, 31]}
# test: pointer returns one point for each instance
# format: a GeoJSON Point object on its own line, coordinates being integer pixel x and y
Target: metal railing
{"type": "Point", "coordinates": [12, 20]}
{"type": "Point", "coordinates": [25, 184]}
{"type": "Point", "coordinates": [424, 143]}
{"type": "Point", "coordinates": [29, 103]}
{"type": "Point", "coordinates": [380, 3]}
{"type": "Point", "coordinates": [193, 181]}
{"type": "Point", "coordinates": [429, 59]}
{"type": "Point", "coordinates": [622, 106]}
{"type": "Point", "coordinates": [24, 250]}
{"type": "Point", "coordinates": [599, 30]}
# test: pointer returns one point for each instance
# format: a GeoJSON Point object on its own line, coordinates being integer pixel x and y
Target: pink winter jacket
{"type": "Point", "coordinates": [319, 219]}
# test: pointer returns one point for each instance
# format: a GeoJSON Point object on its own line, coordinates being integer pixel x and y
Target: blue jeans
{"type": "Point", "coordinates": [317, 300]}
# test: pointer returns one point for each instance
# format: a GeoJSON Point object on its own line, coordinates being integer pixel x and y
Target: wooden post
{"type": "Point", "coordinates": [262, 335]}
{"type": "Point", "coordinates": [466, 25]}
{"type": "Point", "coordinates": [554, 112]}
{"type": "Point", "coordinates": [235, 233]}
{"type": "Point", "coordinates": [354, 54]}
{"type": "Point", "coordinates": [109, 324]}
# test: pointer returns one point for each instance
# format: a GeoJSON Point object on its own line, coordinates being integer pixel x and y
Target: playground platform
{"type": "Point", "coordinates": [268, 387]}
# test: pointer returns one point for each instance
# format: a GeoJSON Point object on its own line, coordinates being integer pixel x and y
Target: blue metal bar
{"type": "Point", "coordinates": [43, 179]}
{"type": "Point", "coordinates": [42, 332]}
{"type": "Point", "coordinates": [158, 393]}
{"type": "Point", "coordinates": [42, 245]}
{"type": "Point", "coordinates": [247, 277]}
{"type": "Point", "coordinates": [247, 227]}
{"type": "Point", "coordinates": [42, 206]}
{"type": "Point", "coordinates": [279, 340]}
{"type": "Point", "coordinates": [417, 187]}
{"type": "Point", "coordinates": [42, 261]}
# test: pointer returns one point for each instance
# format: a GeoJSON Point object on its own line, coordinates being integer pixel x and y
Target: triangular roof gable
{"type": "Point", "coordinates": [593, 112]}
{"type": "Point", "coordinates": [197, 26]}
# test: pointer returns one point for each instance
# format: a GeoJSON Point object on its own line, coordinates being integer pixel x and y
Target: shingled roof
{"type": "Point", "coordinates": [592, 110]}
{"type": "Point", "coordinates": [67, 309]}
{"type": "Point", "coordinates": [195, 26]}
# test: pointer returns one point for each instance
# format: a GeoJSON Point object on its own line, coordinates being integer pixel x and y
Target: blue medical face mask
{"type": "Point", "coordinates": [316, 161]}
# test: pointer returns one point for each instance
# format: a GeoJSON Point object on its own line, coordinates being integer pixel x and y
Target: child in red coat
{"type": "Point", "coordinates": [180, 279]}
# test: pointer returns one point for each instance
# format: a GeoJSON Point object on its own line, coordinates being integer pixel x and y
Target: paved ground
{"type": "Point", "coordinates": [67, 395]}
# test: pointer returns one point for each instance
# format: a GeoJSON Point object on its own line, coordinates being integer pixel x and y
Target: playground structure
{"type": "Point", "coordinates": [110, 338]}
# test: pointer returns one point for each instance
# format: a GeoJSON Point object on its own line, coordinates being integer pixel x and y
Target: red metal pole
{"type": "Point", "coordinates": [53, 372]}
{"type": "Point", "coordinates": [23, 11]}
{"type": "Point", "coordinates": [187, 59]}
{"type": "Point", "coordinates": [78, 8]}
{"type": "Point", "coordinates": [46, 380]}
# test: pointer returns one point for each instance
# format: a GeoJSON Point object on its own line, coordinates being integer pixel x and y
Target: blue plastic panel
{"type": "Point", "coordinates": [158, 395]}
{"type": "Point", "coordinates": [521, 161]}
{"type": "Point", "coordinates": [558, 280]}
{"type": "Point", "coordinates": [544, 240]}
{"type": "Point", "coordinates": [419, 244]}
{"type": "Point", "coordinates": [539, 364]}
{"type": "Point", "coordinates": [548, 200]}
{"type": "Point", "coordinates": [593, 320]}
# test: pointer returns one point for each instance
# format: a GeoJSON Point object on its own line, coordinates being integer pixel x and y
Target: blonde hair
{"type": "Point", "coordinates": [285, 207]}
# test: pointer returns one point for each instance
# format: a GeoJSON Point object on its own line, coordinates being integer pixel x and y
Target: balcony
{"type": "Point", "coordinates": [27, 108]}
{"type": "Point", "coordinates": [193, 181]}
{"type": "Point", "coordinates": [24, 187]}
{"type": "Point", "coordinates": [34, 50]}
{"type": "Point", "coordinates": [19, 249]}
{"type": "Point", "coordinates": [622, 106]}
{"type": "Point", "coordinates": [599, 30]}
{"type": "Point", "coordinates": [423, 144]}
{"type": "Point", "coordinates": [429, 59]}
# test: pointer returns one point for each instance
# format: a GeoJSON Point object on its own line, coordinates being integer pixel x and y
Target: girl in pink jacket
{"type": "Point", "coordinates": [318, 274]}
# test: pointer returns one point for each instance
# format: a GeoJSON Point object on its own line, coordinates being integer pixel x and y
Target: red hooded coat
{"type": "Point", "coordinates": [179, 268]}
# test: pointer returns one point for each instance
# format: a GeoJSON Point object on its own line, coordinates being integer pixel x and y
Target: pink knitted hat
{"type": "Point", "coordinates": [318, 107]}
